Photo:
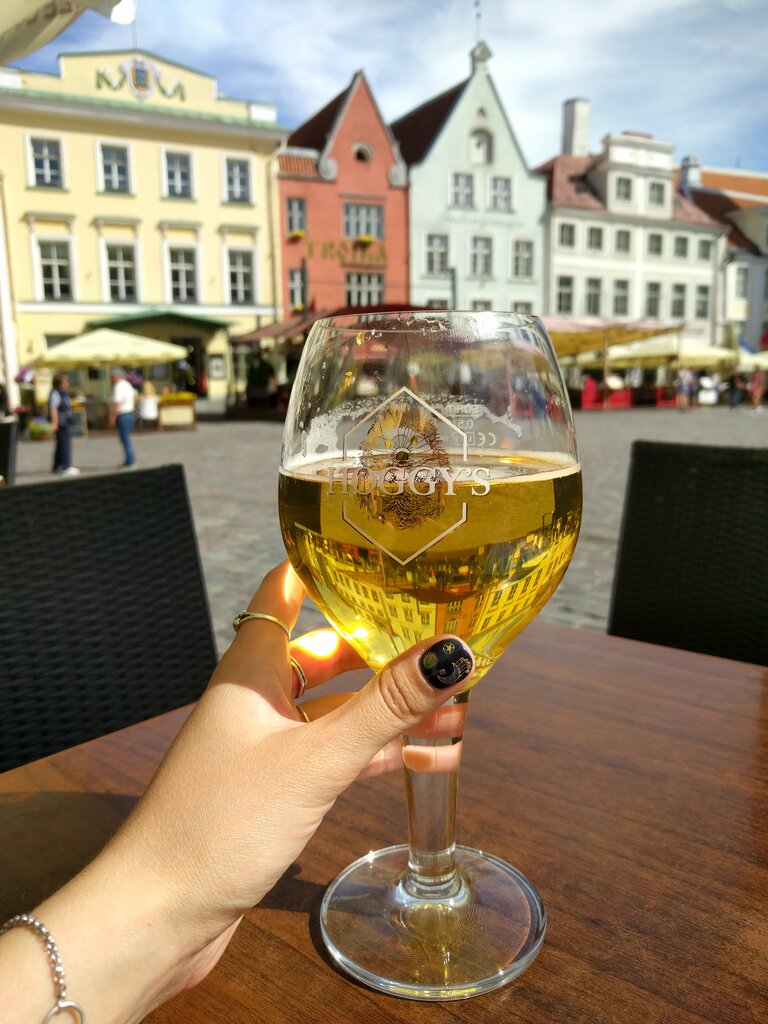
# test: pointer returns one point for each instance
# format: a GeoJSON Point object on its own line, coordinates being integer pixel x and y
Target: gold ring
{"type": "Point", "coordinates": [302, 678]}
{"type": "Point", "coordinates": [302, 712]}
{"type": "Point", "coordinates": [242, 617]}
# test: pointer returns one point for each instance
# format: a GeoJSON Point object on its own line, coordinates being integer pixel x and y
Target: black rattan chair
{"type": "Point", "coordinates": [692, 567]}
{"type": "Point", "coordinates": [104, 618]}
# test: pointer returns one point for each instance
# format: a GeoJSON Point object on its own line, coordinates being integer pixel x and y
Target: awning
{"type": "Point", "coordinates": [110, 348]}
{"type": "Point", "coordinates": [659, 351]}
{"type": "Point", "coordinates": [282, 328]}
{"type": "Point", "coordinates": [571, 335]}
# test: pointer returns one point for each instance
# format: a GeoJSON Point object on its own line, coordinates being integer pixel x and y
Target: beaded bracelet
{"type": "Point", "coordinates": [62, 1002]}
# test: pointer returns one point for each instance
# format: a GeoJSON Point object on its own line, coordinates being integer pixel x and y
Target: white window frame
{"type": "Point", "coordinates": [524, 308]}
{"type": "Point", "coordinates": [566, 224]}
{"type": "Point", "coordinates": [741, 282]}
{"type": "Point", "coordinates": [595, 228]}
{"type": "Point", "coordinates": [620, 296]}
{"type": "Point", "coordinates": [616, 196]}
{"type": "Point", "coordinates": [67, 240]}
{"type": "Point", "coordinates": [707, 242]}
{"type": "Point", "coordinates": [570, 290]}
{"type": "Point", "coordinates": [505, 194]}
{"type": "Point", "coordinates": [590, 294]}
{"type": "Point", "coordinates": [458, 191]}
{"type": "Point", "coordinates": [527, 259]}
{"type": "Point", "coordinates": [616, 249]}
{"type": "Point", "coordinates": [241, 158]}
{"type": "Point", "coordinates": [686, 244]}
{"type": "Point", "coordinates": [253, 253]}
{"type": "Point", "coordinates": [106, 242]}
{"type": "Point", "coordinates": [652, 187]}
{"type": "Point", "coordinates": [656, 255]}
{"type": "Point", "coordinates": [481, 257]}
{"type": "Point", "coordinates": [45, 136]}
{"type": "Point", "coordinates": [437, 271]}
{"type": "Point", "coordinates": [679, 298]}
{"type": "Point", "coordinates": [481, 305]}
{"type": "Point", "coordinates": [197, 248]}
{"type": "Point", "coordinates": [295, 287]}
{"type": "Point", "coordinates": [480, 155]}
{"type": "Point", "coordinates": [362, 219]}
{"type": "Point", "coordinates": [290, 226]}
{"type": "Point", "coordinates": [698, 298]}
{"type": "Point", "coordinates": [374, 297]}
{"type": "Point", "coordinates": [165, 152]}
{"type": "Point", "coordinates": [656, 297]}
{"type": "Point", "coordinates": [100, 176]}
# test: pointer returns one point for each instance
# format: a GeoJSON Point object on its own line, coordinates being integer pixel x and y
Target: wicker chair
{"type": "Point", "coordinates": [692, 568]}
{"type": "Point", "coordinates": [104, 618]}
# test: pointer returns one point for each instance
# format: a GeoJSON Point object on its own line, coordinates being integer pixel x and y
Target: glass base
{"type": "Point", "coordinates": [480, 936]}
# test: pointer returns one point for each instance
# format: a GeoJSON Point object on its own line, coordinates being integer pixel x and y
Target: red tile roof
{"type": "Point", "coordinates": [718, 205]}
{"type": "Point", "coordinates": [568, 185]}
{"type": "Point", "coordinates": [313, 134]}
{"type": "Point", "coordinates": [417, 130]}
{"type": "Point", "coordinates": [736, 181]}
{"type": "Point", "coordinates": [292, 166]}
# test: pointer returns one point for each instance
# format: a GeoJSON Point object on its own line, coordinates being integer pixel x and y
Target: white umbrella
{"type": "Point", "coordinates": [26, 25]}
{"type": "Point", "coordinates": [753, 360]}
{"type": "Point", "coordinates": [657, 351]}
{"type": "Point", "coordinates": [106, 347]}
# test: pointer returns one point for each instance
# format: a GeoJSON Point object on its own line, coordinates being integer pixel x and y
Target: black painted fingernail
{"type": "Point", "coordinates": [446, 663]}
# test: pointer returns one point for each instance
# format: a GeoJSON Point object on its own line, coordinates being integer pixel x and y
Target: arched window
{"type": "Point", "coordinates": [481, 147]}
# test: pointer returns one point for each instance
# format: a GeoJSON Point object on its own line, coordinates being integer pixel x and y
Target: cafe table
{"type": "Point", "coordinates": [628, 781]}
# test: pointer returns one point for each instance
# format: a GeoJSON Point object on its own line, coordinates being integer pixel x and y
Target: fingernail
{"type": "Point", "coordinates": [446, 663]}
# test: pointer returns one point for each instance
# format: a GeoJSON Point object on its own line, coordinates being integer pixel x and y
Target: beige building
{"type": "Point", "coordinates": [133, 195]}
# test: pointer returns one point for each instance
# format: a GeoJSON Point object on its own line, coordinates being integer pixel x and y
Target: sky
{"type": "Point", "coordinates": [690, 72]}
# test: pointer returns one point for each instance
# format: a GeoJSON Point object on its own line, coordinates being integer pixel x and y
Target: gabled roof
{"type": "Point", "coordinates": [418, 129]}
{"type": "Point", "coordinates": [313, 134]}
{"type": "Point", "coordinates": [718, 205]}
{"type": "Point", "coordinates": [568, 185]}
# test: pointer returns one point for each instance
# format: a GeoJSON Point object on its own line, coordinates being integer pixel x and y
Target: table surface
{"type": "Point", "coordinates": [628, 781]}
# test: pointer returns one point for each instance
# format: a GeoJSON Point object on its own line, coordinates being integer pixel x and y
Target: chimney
{"type": "Point", "coordinates": [575, 127]}
{"type": "Point", "coordinates": [690, 172]}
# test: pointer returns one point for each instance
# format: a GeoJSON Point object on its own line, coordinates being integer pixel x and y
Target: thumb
{"type": "Point", "coordinates": [403, 693]}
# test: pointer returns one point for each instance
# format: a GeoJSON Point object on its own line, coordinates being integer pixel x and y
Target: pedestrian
{"type": "Point", "coordinates": [757, 389]}
{"type": "Point", "coordinates": [123, 413]}
{"type": "Point", "coordinates": [60, 415]}
{"type": "Point", "coordinates": [737, 390]}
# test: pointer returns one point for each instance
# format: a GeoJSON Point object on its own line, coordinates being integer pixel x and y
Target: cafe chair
{"type": "Point", "coordinates": [104, 617]}
{"type": "Point", "coordinates": [692, 569]}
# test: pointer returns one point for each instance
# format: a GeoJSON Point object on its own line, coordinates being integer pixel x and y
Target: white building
{"type": "Point", "coordinates": [739, 201]}
{"type": "Point", "coordinates": [622, 240]}
{"type": "Point", "coordinates": [476, 210]}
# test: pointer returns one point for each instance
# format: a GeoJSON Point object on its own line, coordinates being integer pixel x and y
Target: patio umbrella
{"type": "Point", "coordinates": [753, 360]}
{"type": "Point", "coordinates": [26, 25]}
{"type": "Point", "coordinates": [571, 335]}
{"type": "Point", "coordinates": [658, 351]}
{"type": "Point", "coordinates": [106, 347]}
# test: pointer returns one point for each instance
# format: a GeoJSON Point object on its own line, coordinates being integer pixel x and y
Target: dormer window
{"type": "Point", "coordinates": [624, 189]}
{"type": "Point", "coordinates": [481, 147]}
{"type": "Point", "coordinates": [656, 193]}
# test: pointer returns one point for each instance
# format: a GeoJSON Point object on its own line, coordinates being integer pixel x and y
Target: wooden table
{"type": "Point", "coordinates": [629, 782]}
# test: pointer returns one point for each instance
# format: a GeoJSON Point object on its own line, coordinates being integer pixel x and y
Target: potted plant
{"type": "Point", "coordinates": [39, 429]}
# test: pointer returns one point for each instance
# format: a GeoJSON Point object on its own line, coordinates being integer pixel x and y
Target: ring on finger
{"type": "Point", "coordinates": [301, 676]}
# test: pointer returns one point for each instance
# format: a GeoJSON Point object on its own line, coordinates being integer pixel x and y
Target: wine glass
{"type": "Point", "coordinates": [429, 484]}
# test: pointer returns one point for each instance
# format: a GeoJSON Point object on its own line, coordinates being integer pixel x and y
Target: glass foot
{"type": "Point", "coordinates": [482, 935]}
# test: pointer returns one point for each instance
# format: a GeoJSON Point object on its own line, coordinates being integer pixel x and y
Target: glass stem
{"type": "Point", "coordinates": [431, 797]}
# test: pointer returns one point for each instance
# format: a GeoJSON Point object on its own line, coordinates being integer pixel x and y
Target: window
{"type": "Point", "coordinates": [501, 193]}
{"type": "Point", "coordinates": [178, 175]}
{"type": "Point", "coordinates": [241, 291]}
{"type": "Point", "coordinates": [121, 271]}
{"type": "Point", "coordinates": [297, 215]}
{"type": "Point", "coordinates": [742, 282]}
{"type": "Point", "coordinates": [437, 303]}
{"type": "Point", "coordinates": [463, 190]}
{"type": "Point", "coordinates": [652, 300]}
{"type": "Point", "coordinates": [363, 219]}
{"type": "Point", "coordinates": [480, 147]}
{"type": "Point", "coordinates": [705, 249]}
{"type": "Point", "coordinates": [522, 259]}
{"type": "Point", "coordinates": [238, 181]}
{"type": "Point", "coordinates": [364, 289]}
{"type": "Point", "coordinates": [56, 271]}
{"type": "Point", "coordinates": [522, 307]}
{"type": "Point", "coordinates": [623, 240]}
{"type": "Point", "coordinates": [567, 236]}
{"type": "Point", "coordinates": [437, 254]}
{"type": "Point", "coordinates": [183, 266]}
{"type": "Point", "coordinates": [656, 193]}
{"type": "Point", "coordinates": [655, 244]}
{"type": "Point", "coordinates": [595, 239]}
{"type": "Point", "coordinates": [114, 168]}
{"type": "Point", "coordinates": [624, 189]}
{"type": "Point", "coordinates": [681, 247]}
{"type": "Point", "coordinates": [481, 263]}
{"type": "Point", "coordinates": [46, 163]}
{"type": "Point", "coordinates": [701, 310]}
{"type": "Point", "coordinates": [481, 306]}
{"type": "Point", "coordinates": [592, 302]}
{"type": "Point", "coordinates": [565, 295]}
{"type": "Point", "coordinates": [678, 301]}
{"type": "Point", "coordinates": [296, 288]}
{"type": "Point", "coordinates": [621, 298]}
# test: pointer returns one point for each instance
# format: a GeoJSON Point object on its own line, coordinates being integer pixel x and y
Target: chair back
{"type": "Point", "coordinates": [692, 565]}
{"type": "Point", "coordinates": [104, 617]}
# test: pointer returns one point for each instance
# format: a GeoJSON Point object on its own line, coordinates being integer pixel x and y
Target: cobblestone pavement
{"type": "Point", "coordinates": [232, 477]}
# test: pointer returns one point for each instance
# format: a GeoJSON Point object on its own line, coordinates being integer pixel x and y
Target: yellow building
{"type": "Point", "coordinates": [133, 195]}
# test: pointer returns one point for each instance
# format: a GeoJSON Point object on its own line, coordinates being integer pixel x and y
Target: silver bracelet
{"type": "Point", "coordinates": [62, 1002]}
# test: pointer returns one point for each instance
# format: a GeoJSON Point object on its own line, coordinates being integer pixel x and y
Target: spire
{"type": "Point", "coordinates": [481, 54]}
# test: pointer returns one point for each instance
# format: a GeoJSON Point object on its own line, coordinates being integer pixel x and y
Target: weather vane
{"type": "Point", "coordinates": [478, 19]}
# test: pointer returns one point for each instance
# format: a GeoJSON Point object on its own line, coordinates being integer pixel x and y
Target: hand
{"type": "Point", "coordinates": [231, 806]}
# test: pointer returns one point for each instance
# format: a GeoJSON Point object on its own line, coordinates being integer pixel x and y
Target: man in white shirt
{"type": "Point", "coordinates": [123, 416]}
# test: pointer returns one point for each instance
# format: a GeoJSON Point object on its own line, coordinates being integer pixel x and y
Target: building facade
{"type": "Point", "coordinates": [476, 211]}
{"type": "Point", "coordinates": [343, 208]}
{"type": "Point", "coordinates": [623, 241]}
{"type": "Point", "coordinates": [134, 196]}
{"type": "Point", "coordinates": [738, 200]}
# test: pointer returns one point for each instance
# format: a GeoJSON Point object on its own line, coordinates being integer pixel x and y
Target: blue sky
{"type": "Point", "coordinates": [690, 72]}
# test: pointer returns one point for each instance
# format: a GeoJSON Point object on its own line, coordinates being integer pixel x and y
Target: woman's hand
{"type": "Point", "coordinates": [240, 792]}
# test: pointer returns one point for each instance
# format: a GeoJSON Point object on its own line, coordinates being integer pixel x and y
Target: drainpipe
{"type": "Point", "coordinates": [8, 349]}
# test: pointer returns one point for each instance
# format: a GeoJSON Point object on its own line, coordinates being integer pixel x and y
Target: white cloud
{"type": "Point", "coordinates": [688, 71]}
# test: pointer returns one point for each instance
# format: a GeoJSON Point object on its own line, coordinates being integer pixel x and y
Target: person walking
{"type": "Point", "coordinates": [60, 415]}
{"type": "Point", "coordinates": [757, 389]}
{"type": "Point", "coordinates": [123, 413]}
